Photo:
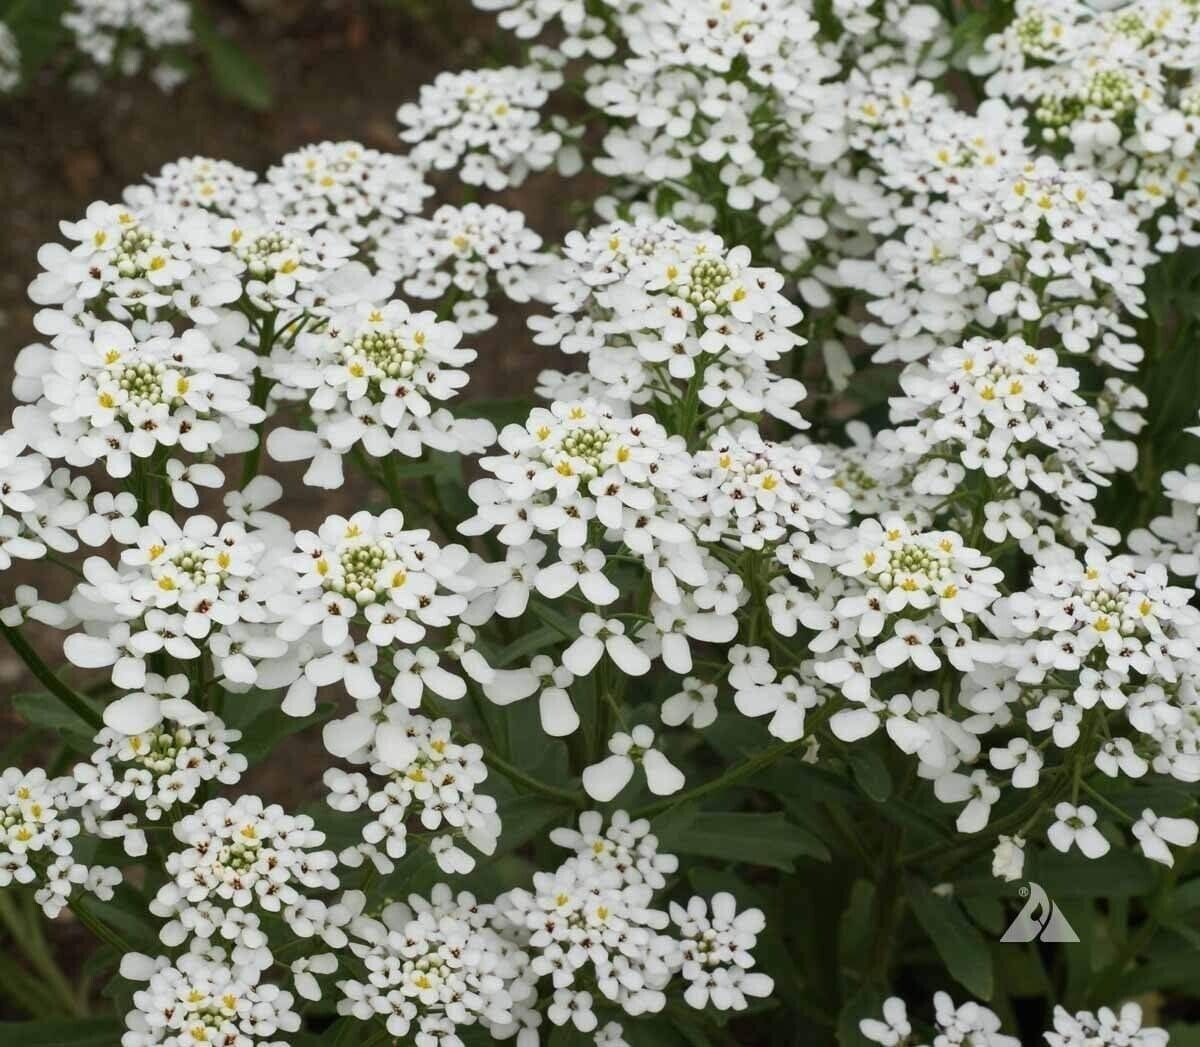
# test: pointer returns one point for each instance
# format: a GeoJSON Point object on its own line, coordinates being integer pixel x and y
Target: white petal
{"type": "Point", "coordinates": [602, 781]}
{"type": "Point", "coordinates": [343, 737]}
{"type": "Point", "coordinates": [559, 717]}
{"type": "Point", "coordinates": [89, 652]}
{"type": "Point", "coordinates": [395, 747]}
{"type": "Point", "coordinates": [852, 724]}
{"type": "Point", "coordinates": [663, 777]}
{"type": "Point", "coordinates": [581, 657]}
{"type": "Point", "coordinates": [629, 657]}
{"type": "Point", "coordinates": [133, 714]}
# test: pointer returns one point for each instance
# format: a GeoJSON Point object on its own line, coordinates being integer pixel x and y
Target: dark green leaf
{"type": "Point", "coordinates": [866, 1003]}
{"type": "Point", "coordinates": [124, 914]}
{"type": "Point", "coordinates": [757, 839]}
{"type": "Point", "coordinates": [531, 643]}
{"type": "Point", "coordinates": [267, 727]}
{"type": "Point", "coordinates": [90, 1032]}
{"type": "Point", "coordinates": [43, 709]}
{"type": "Point", "coordinates": [870, 772]}
{"type": "Point", "coordinates": [1118, 874]}
{"type": "Point", "coordinates": [525, 816]}
{"type": "Point", "coordinates": [234, 72]}
{"type": "Point", "coordinates": [960, 945]}
{"type": "Point", "coordinates": [37, 26]}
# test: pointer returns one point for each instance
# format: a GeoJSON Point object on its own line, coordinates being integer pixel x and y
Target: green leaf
{"type": "Point", "coordinates": [1186, 897]}
{"type": "Point", "coordinates": [265, 729]}
{"type": "Point", "coordinates": [90, 1032]}
{"type": "Point", "coordinates": [124, 914]}
{"type": "Point", "coordinates": [756, 839]}
{"type": "Point", "coordinates": [1184, 1034]}
{"type": "Point", "coordinates": [43, 709]}
{"type": "Point", "coordinates": [866, 1003]}
{"type": "Point", "coordinates": [870, 772]}
{"type": "Point", "coordinates": [234, 72]}
{"type": "Point", "coordinates": [960, 945]}
{"type": "Point", "coordinates": [525, 816]}
{"type": "Point", "coordinates": [1118, 874]}
{"type": "Point", "coordinates": [568, 1036]}
{"type": "Point", "coordinates": [37, 26]}
{"type": "Point", "coordinates": [532, 642]}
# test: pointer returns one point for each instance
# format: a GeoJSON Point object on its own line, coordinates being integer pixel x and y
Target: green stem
{"type": "Point", "coordinates": [688, 428]}
{"type": "Point", "coordinates": [734, 775]}
{"type": "Point", "coordinates": [261, 391]}
{"type": "Point", "coordinates": [1107, 984]}
{"type": "Point", "coordinates": [28, 939]}
{"type": "Point", "coordinates": [97, 926]}
{"type": "Point", "coordinates": [516, 775]}
{"type": "Point", "coordinates": [74, 701]}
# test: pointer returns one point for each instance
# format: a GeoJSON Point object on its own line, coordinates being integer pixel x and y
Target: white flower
{"type": "Point", "coordinates": [1154, 832]}
{"type": "Point", "coordinates": [574, 1007]}
{"type": "Point", "coordinates": [555, 709]}
{"type": "Point", "coordinates": [697, 702]}
{"type": "Point", "coordinates": [1076, 826]}
{"type": "Point", "coordinates": [976, 789]}
{"type": "Point", "coordinates": [717, 960]}
{"type": "Point", "coordinates": [893, 1030]}
{"type": "Point", "coordinates": [605, 779]}
{"type": "Point", "coordinates": [1008, 858]}
{"type": "Point", "coordinates": [597, 636]}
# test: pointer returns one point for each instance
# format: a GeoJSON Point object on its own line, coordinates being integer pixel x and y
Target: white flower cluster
{"type": "Point", "coordinates": [373, 378]}
{"type": "Point", "coordinates": [1174, 539]}
{"type": "Point", "coordinates": [462, 256]}
{"type": "Point", "coordinates": [354, 192]}
{"type": "Point", "coordinates": [239, 859]}
{"type": "Point", "coordinates": [198, 183]}
{"type": "Point", "coordinates": [1010, 411]}
{"type": "Point", "coordinates": [201, 998]}
{"type": "Point", "coordinates": [973, 1023]}
{"type": "Point", "coordinates": [484, 124]}
{"type": "Point", "coordinates": [590, 922]}
{"type": "Point", "coordinates": [362, 586]}
{"type": "Point", "coordinates": [1116, 89]}
{"type": "Point", "coordinates": [433, 967]}
{"type": "Point", "coordinates": [981, 259]}
{"type": "Point", "coordinates": [438, 964]}
{"type": "Point", "coordinates": [122, 35]}
{"type": "Point", "coordinates": [657, 540]}
{"type": "Point", "coordinates": [154, 762]}
{"type": "Point", "coordinates": [651, 305]}
{"type": "Point", "coordinates": [36, 842]}
{"type": "Point", "coordinates": [193, 591]}
{"type": "Point", "coordinates": [417, 773]}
